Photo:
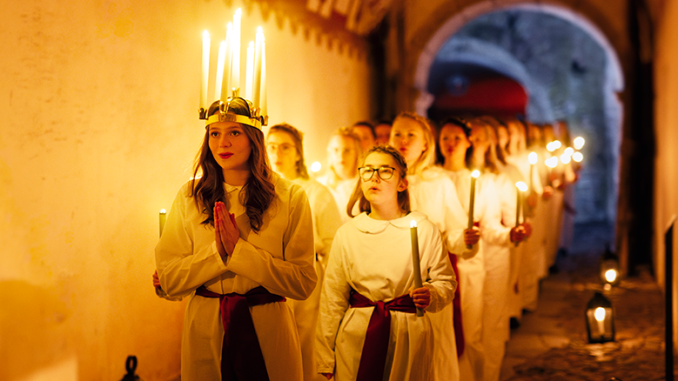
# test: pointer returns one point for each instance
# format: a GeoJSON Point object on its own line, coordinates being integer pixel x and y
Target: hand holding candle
{"type": "Point", "coordinates": [471, 205]}
{"type": "Point", "coordinates": [416, 268]}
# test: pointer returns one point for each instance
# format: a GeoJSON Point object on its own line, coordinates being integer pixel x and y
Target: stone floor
{"type": "Point", "coordinates": [551, 342]}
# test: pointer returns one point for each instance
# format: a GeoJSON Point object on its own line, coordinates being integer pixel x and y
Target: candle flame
{"type": "Point", "coordinates": [610, 275]}
{"type": "Point", "coordinates": [599, 314]}
{"type": "Point", "coordinates": [550, 147]}
{"type": "Point", "coordinates": [413, 224]}
{"type": "Point", "coordinates": [163, 211]}
{"type": "Point", "coordinates": [205, 34]}
{"type": "Point", "coordinates": [552, 162]}
{"type": "Point", "coordinates": [532, 158]}
{"type": "Point", "coordinates": [578, 157]}
{"type": "Point", "coordinates": [569, 151]}
{"type": "Point", "coordinates": [238, 12]}
{"type": "Point", "coordinates": [565, 158]}
{"type": "Point", "coordinates": [557, 144]}
{"type": "Point", "coordinates": [315, 167]}
{"type": "Point", "coordinates": [579, 142]}
{"type": "Point", "coordinates": [475, 174]}
{"type": "Point", "coordinates": [521, 186]}
{"type": "Point", "coordinates": [260, 31]}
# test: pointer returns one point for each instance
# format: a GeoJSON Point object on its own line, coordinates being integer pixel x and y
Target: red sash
{"type": "Point", "coordinates": [456, 308]}
{"type": "Point", "coordinates": [373, 357]}
{"type": "Point", "coordinates": [241, 357]}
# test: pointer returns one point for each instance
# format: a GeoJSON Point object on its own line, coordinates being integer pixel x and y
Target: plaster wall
{"type": "Point", "coordinates": [99, 102]}
{"type": "Point", "coordinates": [666, 159]}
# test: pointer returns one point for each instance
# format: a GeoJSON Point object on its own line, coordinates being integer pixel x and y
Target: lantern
{"type": "Point", "coordinates": [609, 267]}
{"type": "Point", "coordinates": [599, 319]}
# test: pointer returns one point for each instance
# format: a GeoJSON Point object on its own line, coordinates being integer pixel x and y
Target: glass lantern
{"type": "Point", "coordinates": [599, 319]}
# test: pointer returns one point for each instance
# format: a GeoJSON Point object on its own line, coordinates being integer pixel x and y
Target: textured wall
{"type": "Point", "coordinates": [99, 103]}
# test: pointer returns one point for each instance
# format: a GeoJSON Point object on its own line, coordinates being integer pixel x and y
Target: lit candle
{"type": "Point", "coordinates": [599, 314]}
{"type": "Point", "coordinates": [205, 68]}
{"type": "Point", "coordinates": [578, 157]}
{"type": "Point", "coordinates": [249, 71]}
{"type": "Point", "coordinates": [235, 71]}
{"type": "Point", "coordinates": [220, 70]}
{"type": "Point", "coordinates": [471, 205]}
{"type": "Point", "coordinates": [532, 158]}
{"type": "Point", "coordinates": [416, 270]}
{"type": "Point", "coordinates": [163, 219]}
{"type": "Point", "coordinates": [256, 83]}
{"type": "Point", "coordinates": [228, 66]}
{"type": "Point", "coordinates": [264, 102]}
{"type": "Point", "coordinates": [565, 158]}
{"type": "Point", "coordinates": [579, 143]}
{"type": "Point", "coordinates": [522, 187]}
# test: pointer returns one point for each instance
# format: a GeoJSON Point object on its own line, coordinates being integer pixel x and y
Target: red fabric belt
{"type": "Point", "coordinates": [456, 309]}
{"type": "Point", "coordinates": [241, 357]}
{"type": "Point", "coordinates": [373, 357]}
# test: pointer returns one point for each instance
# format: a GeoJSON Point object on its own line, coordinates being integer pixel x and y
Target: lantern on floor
{"type": "Point", "coordinates": [609, 267]}
{"type": "Point", "coordinates": [599, 319]}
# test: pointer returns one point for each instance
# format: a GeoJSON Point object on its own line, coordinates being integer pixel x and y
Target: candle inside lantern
{"type": "Point", "coordinates": [220, 70]}
{"type": "Point", "coordinates": [205, 68]}
{"type": "Point", "coordinates": [471, 205]}
{"type": "Point", "coordinates": [249, 70]}
{"type": "Point", "coordinates": [163, 219]}
{"type": "Point", "coordinates": [532, 158]}
{"type": "Point", "coordinates": [416, 269]}
{"type": "Point", "coordinates": [256, 81]}
{"type": "Point", "coordinates": [599, 314]}
{"type": "Point", "coordinates": [235, 70]}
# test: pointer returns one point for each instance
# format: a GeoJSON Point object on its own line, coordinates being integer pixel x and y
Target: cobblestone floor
{"type": "Point", "coordinates": [551, 342]}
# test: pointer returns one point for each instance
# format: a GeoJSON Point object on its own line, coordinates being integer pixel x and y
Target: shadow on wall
{"type": "Point", "coordinates": [33, 319]}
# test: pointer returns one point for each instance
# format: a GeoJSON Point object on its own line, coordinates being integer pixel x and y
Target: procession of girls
{"type": "Point", "coordinates": [332, 255]}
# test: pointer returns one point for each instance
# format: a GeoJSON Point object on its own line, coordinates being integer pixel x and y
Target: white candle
{"type": "Point", "coordinates": [264, 93]}
{"type": "Point", "coordinates": [220, 70]}
{"type": "Point", "coordinates": [163, 219]}
{"type": "Point", "coordinates": [226, 84]}
{"type": "Point", "coordinates": [249, 71]}
{"type": "Point", "coordinates": [532, 158]}
{"type": "Point", "coordinates": [235, 71]}
{"type": "Point", "coordinates": [256, 82]}
{"type": "Point", "coordinates": [416, 269]}
{"type": "Point", "coordinates": [579, 143]}
{"type": "Point", "coordinates": [471, 205]}
{"type": "Point", "coordinates": [205, 68]}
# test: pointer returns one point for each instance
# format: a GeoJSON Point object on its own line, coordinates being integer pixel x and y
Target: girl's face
{"type": "Point", "coordinates": [407, 137]}
{"type": "Point", "coordinates": [383, 132]}
{"type": "Point", "coordinates": [452, 139]}
{"type": "Point", "coordinates": [376, 189]}
{"type": "Point", "coordinates": [479, 138]}
{"type": "Point", "coordinates": [342, 156]}
{"type": "Point", "coordinates": [282, 153]}
{"type": "Point", "coordinates": [503, 136]}
{"type": "Point", "coordinates": [229, 145]}
{"type": "Point", "coordinates": [366, 137]}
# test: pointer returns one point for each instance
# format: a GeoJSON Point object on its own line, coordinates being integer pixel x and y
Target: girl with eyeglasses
{"type": "Point", "coordinates": [369, 280]}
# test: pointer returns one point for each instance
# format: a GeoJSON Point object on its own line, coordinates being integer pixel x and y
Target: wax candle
{"type": "Point", "coordinates": [228, 64]}
{"type": "Point", "coordinates": [249, 71]}
{"type": "Point", "coordinates": [205, 68]}
{"type": "Point", "coordinates": [416, 269]}
{"type": "Point", "coordinates": [235, 68]}
{"type": "Point", "coordinates": [220, 70]}
{"type": "Point", "coordinates": [578, 157]}
{"type": "Point", "coordinates": [599, 314]}
{"type": "Point", "coordinates": [264, 94]}
{"type": "Point", "coordinates": [471, 205]}
{"type": "Point", "coordinates": [579, 143]}
{"type": "Point", "coordinates": [163, 219]}
{"type": "Point", "coordinates": [256, 82]}
{"type": "Point", "coordinates": [532, 158]}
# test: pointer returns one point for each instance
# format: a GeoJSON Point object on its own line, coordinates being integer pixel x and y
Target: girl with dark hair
{"type": "Point", "coordinates": [284, 144]}
{"type": "Point", "coordinates": [367, 328]}
{"type": "Point", "coordinates": [237, 241]}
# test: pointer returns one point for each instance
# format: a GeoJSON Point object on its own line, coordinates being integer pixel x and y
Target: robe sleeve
{"type": "Point", "coordinates": [492, 231]}
{"type": "Point", "coordinates": [327, 221]}
{"type": "Point", "coordinates": [333, 305]}
{"type": "Point", "coordinates": [440, 280]}
{"type": "Point", "coordinates": [293, 276]}
{"type": "Point", "coordinates": [455, 222]}
{"type": "Point", "coordinates": [181, 266]}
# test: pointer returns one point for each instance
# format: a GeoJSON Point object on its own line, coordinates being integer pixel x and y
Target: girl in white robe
{"type": "Point", "coordinates": [236, 234]}
{"type": "Point", "coordinates": [284, 144]}
{"type": "Point", "coordinates": [371, 258]}
{"type": "Point", "coordinates": [434, 194]}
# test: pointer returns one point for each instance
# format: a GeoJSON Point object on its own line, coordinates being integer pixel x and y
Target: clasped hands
{"type": "Point", "coordinates": [226, 231]}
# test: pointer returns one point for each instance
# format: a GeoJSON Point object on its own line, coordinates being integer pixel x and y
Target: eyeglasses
{"type": "Point", "coordinates": [383, 172]}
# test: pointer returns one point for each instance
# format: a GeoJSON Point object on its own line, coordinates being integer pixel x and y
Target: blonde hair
{"type": "Point", "coordinates": [346, 132]}
{"type": "Point", "coordinates": [427, 158]}
{"type": "Point", "coordinates": [298, 139]}
{"type": "Point", "coordinates": [401, 168]}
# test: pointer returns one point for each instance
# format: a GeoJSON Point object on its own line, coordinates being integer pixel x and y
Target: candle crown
{"type": "Point", "coordinates": [219, 113]}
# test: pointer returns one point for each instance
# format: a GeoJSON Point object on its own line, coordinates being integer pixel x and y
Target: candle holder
{"type": "Point", "coordinates": [609, 267]}
{"type": "Point", "coordinates": [599, 319]}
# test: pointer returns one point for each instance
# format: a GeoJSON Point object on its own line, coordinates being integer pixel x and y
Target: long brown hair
{"type": "Point", "coordinates": [298, 138]}
{"type": "Point", "coordinates": [258, 192]}
{"type": "Point", "coordinates": [401, 168]}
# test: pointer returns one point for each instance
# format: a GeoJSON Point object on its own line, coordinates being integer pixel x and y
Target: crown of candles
{"type": "Point", "coordinates": [227, 86]}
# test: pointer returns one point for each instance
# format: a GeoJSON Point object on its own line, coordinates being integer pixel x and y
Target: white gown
{"type": "Point", "coordinates": [373, 257]}
{"type": "Point", "coordinates": [341, 191]}
{"type": "Point", "coordinates": [434, 194]}
{"type": "Point", "coordinates": [279, 257]}
{"type": "Point", "coordinates": [326, 221]}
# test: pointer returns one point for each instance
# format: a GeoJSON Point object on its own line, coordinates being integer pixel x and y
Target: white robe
{"type": "Point", "coordinates": [326, 221]}
{"type": "Point", "coordinates": [341, 191]}
{"type": "Point", "coordinates": [374, 258]}
{"type": "Point", "coordinates": [434, 194]}
{"type": "Point", "coordinates": [279, 257]}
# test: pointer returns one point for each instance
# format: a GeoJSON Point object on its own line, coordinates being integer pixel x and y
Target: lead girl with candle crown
{"type": "Point", "coordinates": [369, 280]}
{"type": "Point", "coordinates": [237, 242]}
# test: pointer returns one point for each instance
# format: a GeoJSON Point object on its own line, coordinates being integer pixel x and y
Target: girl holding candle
{"type": "Point", "coordinates": [284, 144]}
{"type": "Point", "coordinates": [434, 194]}
{"type": "Point", "coordinates": [343, 153]}
{"type": "Point", "coordinates": [236, 242]}
{"type": "Point", "coordinates": [370, 269]}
